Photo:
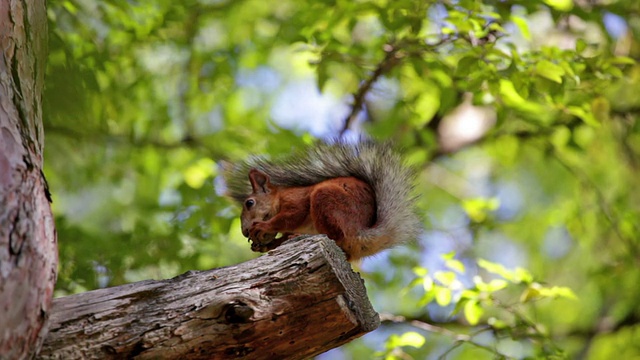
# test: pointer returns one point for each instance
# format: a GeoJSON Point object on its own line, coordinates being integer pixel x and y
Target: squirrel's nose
{"type": "Point", "coordinates": [245, 231]}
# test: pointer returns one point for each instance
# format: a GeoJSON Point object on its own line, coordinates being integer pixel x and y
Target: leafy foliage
{"type": "Point", "coordinates": [522, 117]}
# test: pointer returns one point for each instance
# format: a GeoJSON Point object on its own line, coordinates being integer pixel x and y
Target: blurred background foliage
{"type": "Point", "coordinates": [522, 117]}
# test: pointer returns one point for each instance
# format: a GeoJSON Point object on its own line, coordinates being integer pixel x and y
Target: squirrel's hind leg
{"type": "Point", "coordinates": [341, 208]}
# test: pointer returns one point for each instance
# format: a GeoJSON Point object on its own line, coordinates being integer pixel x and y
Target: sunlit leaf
{"type": "Point", "coordinates": [497, 323]}
{"type": "Point", "coordinates": [516, 276]}
{"type": "Point", "coordinates": [623, 60]}
{"type": "Point", "coordinates": [446, 278]}
{"type": "Point", "coordinates": [561, 137]}
{"type": "Point", "coordinates": [443, 296]}
{"type": "Point", "coordinates": [584, 114]}
{"type": "Point", "coordinates": [492, 286]}
{"type": "Point", "coordinates": [581, 45]}
{"type": "Point", "coordinates": [196, 174]}
{"type": "Point", "coordinates": [522, 25]}
{"type": "Point", "coordinates": [550, 71]}
{"type": "Point", "coordinates": [536, 290]}
{"type": "Point", "coordinates": [411, 338]}
{"type": "Point", "coordinates": [562, 5]}
{"type": "Point", "coordinates": [456, 265]}
{"type": "Point", "coordinates": [420, 271]}
{"type": "Point", "coordinates": [426, 105]}
{"type": "Point", "coordinates": [427, 283]}
{"type": "Point", "coordinates": [473, 312]}
{"type": "Point", "coordinates": [478, 209]}
{"type": "Point", "coordinates": [512, 98]}
{"type": "Point", "coordinates": [496, 284]}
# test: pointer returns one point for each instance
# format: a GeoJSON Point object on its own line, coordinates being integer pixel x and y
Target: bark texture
{"type": "Point", "coordinates": [297, 301]}
{"type": "Point", "coordinates": [28, 251]}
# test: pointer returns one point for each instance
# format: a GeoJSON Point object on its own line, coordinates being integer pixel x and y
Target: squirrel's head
{"type": "Point", "coordinates": [262, 203]}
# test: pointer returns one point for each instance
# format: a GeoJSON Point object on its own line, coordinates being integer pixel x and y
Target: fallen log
{"type": "Point", "coordinates": [294, 302]}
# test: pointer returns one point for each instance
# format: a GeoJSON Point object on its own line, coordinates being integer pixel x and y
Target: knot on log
{"type": "Point", "coordinates": [237, 313]}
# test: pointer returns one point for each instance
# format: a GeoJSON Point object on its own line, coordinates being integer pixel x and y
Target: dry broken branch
{"type": "Point", "coordinates": [297, 301]}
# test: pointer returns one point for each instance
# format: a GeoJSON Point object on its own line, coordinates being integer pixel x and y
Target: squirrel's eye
{"type": "Point", "coordinates": [249, 203]}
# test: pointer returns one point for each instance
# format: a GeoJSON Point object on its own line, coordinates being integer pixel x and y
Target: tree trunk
{"type": "Point", "coordinates": [297, 301]}
{"type": "Point", "coordinates": [28, 252]}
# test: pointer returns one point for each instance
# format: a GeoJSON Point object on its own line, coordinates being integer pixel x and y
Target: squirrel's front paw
{"type": "Point", "coordinates": [259, 233]}
{"type": "Point", "coordinates": [257, 247]}
{"type": "Point", "coordinates": [272, 244]}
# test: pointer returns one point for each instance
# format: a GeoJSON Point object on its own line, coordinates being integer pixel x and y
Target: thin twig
{"type": "Point", "coordinates": [584, 179]}
{"type": "Point", "coordinates": [391, 59]}
{"type": "Point", "coordinates": [386, 317]}
{"type": "Point", "coordinates": [125, 140]}
{"type": "Point", "coordinates": [459, 339]}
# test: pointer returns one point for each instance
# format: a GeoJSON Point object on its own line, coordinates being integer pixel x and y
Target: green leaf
{"type": "Point", "coordinates": [70, 6]}
{"type": "Point", "coordinates": [196, 174]}
{"type": "Point", "coordinates": [466, 65]}
{"type": "Point", "coordinates": [560, 137]}
{"type": "Point", "coordinates": [494, 268]}
{"type": "Point", "coordinates": [415, 282]}
{"type": "Point", "coordinates": [493, 286]}
{"type": "Point", "coordinates": [513, 99]}
{"type": "Point", "coordinates": [496, 284]}
{"type": "Point", "coordinates": [412, 339]}
{"type": "Point", "coordinates": [622, 60]}
{"type": "Point", "coordinates": [585, 114]}
{"type": "Point", "coordinates": [522, 25]}
{"type": "Point", "coordinates": [497, 323]}
{"type": "Point", "coordinates": [454, 264]}
{"type": "Point", "coordinates": [600, 108]}
{"type": "Point", "coordinates": [563, 292]}
{"type": "Point", "coordinates": [417, 156]}
{"type": "Point", "coordinates": [581, 45]}
{"type": "Point", "coordinates": [448, 256]}
{"type": "Point", "coordinates": [519, 275]}
{"type": "Point", "coordinates": [443, 296]}
{"type": "Point", "coordinates": [584, 136]}
{"type": "Point", "coordinates": [614, 71]}
{"type": "Point", "coordinates": [446, 278]}
{"type": "Point", "coordinates": [478, 209]}
{"type": "Point", "coordinates": [561, 5]}
{"type": "Point", "coordinates": [536, 290]}
{"type": "Point", "coordinates": [427, 283]}
{"type": "Point", "coordinates": [473, 312]}
{"type": "Point", "coordinates": [528, 294]}
{"type": "Point", "coordinates": [420, 271]}
{"type": "Point", "coordinates": [322, 75]}
{"type": "Point", "coordinates": [550, 71]}
{"type": "Point", "coordinates": [426, 106]}
{"type": "Point", "coordinates": [427, 297]}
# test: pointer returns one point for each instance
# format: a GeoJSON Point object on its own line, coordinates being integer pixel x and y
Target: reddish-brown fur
{"type": "Point", "coordinates": [339, 207]}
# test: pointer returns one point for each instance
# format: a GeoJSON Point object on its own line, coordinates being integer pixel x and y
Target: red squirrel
{"type": "Point", "coordinates": [359, 195]}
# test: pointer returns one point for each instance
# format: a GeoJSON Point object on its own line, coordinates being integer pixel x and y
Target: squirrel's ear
{"type": "Point", "coordinates": [259, 181]}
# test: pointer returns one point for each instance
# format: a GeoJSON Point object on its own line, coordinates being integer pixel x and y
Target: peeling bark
{"type": "Point", "coordinates": [297, 301]}
{"type": "Point", "coordinates": [28, 250]}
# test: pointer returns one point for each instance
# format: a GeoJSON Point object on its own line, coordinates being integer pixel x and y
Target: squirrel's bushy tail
{"type": "Point", "coordinates": [375, 163]}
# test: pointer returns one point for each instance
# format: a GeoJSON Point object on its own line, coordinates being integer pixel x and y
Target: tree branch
{"type": "Point", "coordinates": [295, 302]}
{"type": "Point", "coordinates": [391, 59]}
{"type": "Point", "coordinates": [459, 339]}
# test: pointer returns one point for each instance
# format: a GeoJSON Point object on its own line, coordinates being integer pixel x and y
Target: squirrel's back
{"type": "Point", "coordinates": [374, 163]}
